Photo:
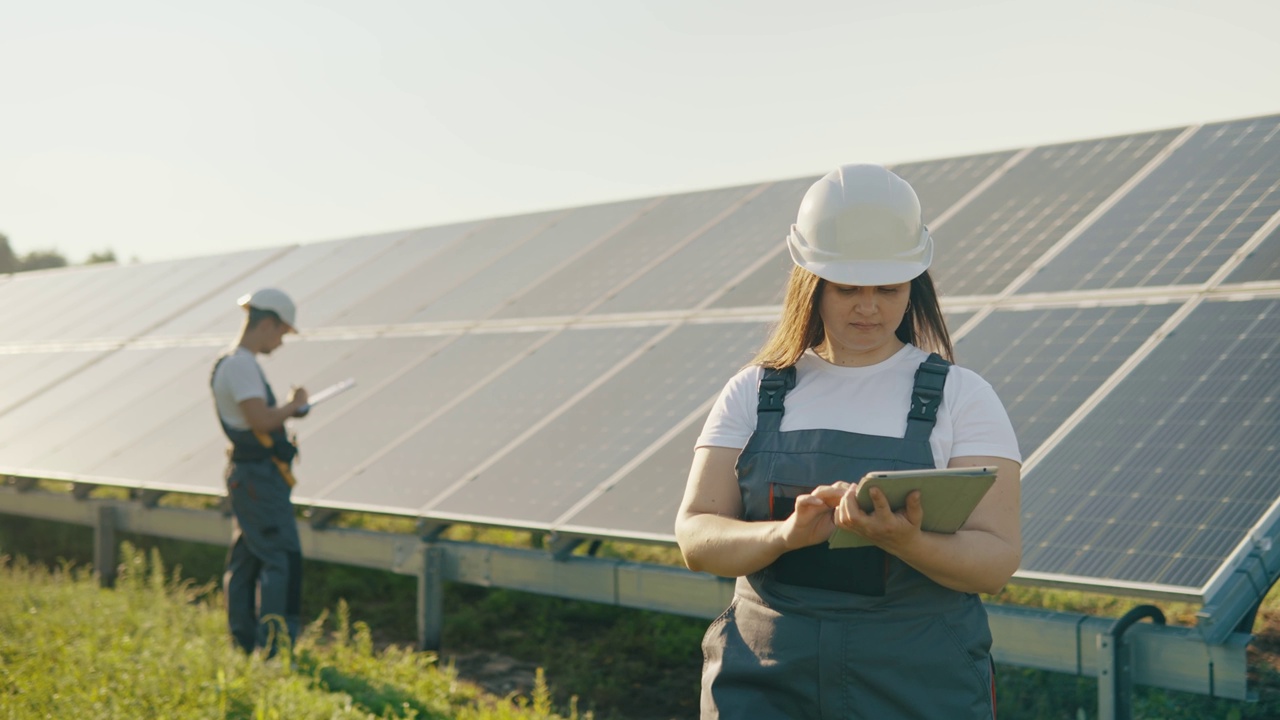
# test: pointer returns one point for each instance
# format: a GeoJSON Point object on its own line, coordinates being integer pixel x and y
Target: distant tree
{"type": "Point", "coordinates": [42, 259]}
{"type": "Point", "coordinates": [105, 256]}
{"type": "Point", "coordinates": [8, 261]}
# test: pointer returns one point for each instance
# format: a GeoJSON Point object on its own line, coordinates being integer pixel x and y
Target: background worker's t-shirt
{"type": "Point", "coordinates": [237, 379]}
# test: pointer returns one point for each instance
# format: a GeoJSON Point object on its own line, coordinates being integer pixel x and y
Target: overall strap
{"type": "Point", "coordinates": [774, 385]}
{"type": "Point", "coordinates": [926, 395]}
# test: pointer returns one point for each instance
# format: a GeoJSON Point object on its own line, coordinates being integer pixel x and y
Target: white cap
{"type": "Point", "coordinates": [274, 300]}
{"type": "Point", "coordinates": [860, 225]}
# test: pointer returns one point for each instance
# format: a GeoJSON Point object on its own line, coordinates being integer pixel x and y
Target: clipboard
{"type": "Point", "coordinates": [327, 393]}
{"type": "Point", "coordinates": [948, 495]}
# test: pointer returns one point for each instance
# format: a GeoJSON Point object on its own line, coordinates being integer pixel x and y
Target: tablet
{"type": "Point", "coordinates": [948, 496]}
{"type": "Point", "coordinates": [329, 392]}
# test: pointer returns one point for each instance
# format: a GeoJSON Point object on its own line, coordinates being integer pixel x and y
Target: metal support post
{"type": "Point", "coordinates": [104, 546]}
{"type": "Point", "coordinates": [431, 599]}
{"type": "Point", "coordinates": [1115, 681]}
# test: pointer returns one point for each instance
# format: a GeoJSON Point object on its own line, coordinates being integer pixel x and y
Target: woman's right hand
{"type": "Point", "coordinates": [813, 521]}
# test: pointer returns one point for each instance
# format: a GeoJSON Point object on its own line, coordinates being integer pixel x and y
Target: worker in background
{"type": "Point", "coordinates": [263, 579]}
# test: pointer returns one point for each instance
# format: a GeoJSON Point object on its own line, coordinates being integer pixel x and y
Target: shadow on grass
{"type": "Point", "coordinates": [378, 698]}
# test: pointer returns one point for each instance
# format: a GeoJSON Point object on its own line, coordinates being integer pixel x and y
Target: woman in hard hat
{"type": "Point", "coordinates": [849, 383]}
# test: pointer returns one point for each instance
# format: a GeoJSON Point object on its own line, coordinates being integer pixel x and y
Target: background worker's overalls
{"type": "Point", "coordinates": [263, 580]}
{"type": "Point", "coordinates": [850, 633]}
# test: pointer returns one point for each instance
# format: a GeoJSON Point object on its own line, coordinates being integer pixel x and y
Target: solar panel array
{"type": "Point", "coordinates": [552, 370]}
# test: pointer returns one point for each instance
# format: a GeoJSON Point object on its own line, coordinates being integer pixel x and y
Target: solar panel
{"type": "Point", "coordinates": [684, 280]}
{"type": "Point", "coordinates": [324, 305]}
{"type": "Point", "coordinates": [462, 261]}
{"type": "Point", "coordinates": [406, 471]}
{"type": "Point", "coordinates": [993, 239]}
{"type": "Point", "coordinates": [140, 297]}
{"type": "Point", "coordinates": [1168, 474]}
{"type": "Point", "coordinates": [108, 413]}
{"type": "Point", "coordinates": [552, 370]}
{"type": "Point", "coordinates": [643, 502]}
{"type": "Point", "coordinates": [526, 265]}
{"type": "Point", "coordinates": [1262, 264]}
{"type": "Point", "coordinates": [542, 477]}
{"type": "Point", "coordinates": [763, 287]}
{"type": "Point", "coordinates": [590, 278]}
{"type": "Point", "coordinates": [387, 408]}
{"type": "Point", "coordinates": [1181, 223]}
{"type": "Point", "coordinates": [35, 300]}
{"type": "Point", "coordinates": [1045, 363]}
{"type": "Point", "coordinates": [324, 363]}
{"type": "Point", "coordinates": [37, 370]}
{"type": "Point", "coordinates": [941, 184]}
{"type": "Point", "coordinates": [95, 371]}
{"type": "Point", "coordinates": [220, 313]}
{"type": "Point", "coordinates": [185, 450]}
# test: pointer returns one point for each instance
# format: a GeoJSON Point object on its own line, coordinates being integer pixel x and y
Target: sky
{"type": "Point", "coordinates": [174, 128]}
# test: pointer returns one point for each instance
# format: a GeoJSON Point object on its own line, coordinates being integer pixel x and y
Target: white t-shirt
{"type": "Point", "coordinates": [237, 379]}
{"type": "Point", "coordinates": [870, 400]}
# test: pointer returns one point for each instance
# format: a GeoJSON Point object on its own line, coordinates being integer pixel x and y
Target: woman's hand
{"type": "Point", "coordinates": [810, 524]}
{"type": "Point", "coordinates": [887, 529]}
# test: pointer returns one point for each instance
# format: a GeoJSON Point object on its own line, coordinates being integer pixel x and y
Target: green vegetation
{"type": "Point", "coordinates": [622, 663]}
{"type": "Point", "coordinates": [11, 262]}
{"type": "Point", "coordinates": [156, 646]}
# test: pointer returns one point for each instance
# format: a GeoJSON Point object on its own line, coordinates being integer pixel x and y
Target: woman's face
{"type": "Point", "coordinates": [859, 322]}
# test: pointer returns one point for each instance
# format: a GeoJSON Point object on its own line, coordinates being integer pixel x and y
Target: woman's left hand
{"type": "Point", "coordinates": [882, 526]}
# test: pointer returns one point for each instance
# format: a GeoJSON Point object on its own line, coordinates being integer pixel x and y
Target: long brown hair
{"type": "Point", "coordinates": [800, 326]}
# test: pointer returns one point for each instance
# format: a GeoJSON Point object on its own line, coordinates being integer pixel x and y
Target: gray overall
{"type": "Point", "coordinates": [850, 633]}
{"type": "Point", "coordinates": [263, 579]}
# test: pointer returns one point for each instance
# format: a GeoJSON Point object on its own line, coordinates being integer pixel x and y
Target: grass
{"type": "Point", "coordinates": [623, 663]}
{"type": "Point", "coordinates": [156, 646]}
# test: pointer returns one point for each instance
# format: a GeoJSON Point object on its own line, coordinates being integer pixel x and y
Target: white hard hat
{"type": "Point", "coordinates": [274, 300]}
{"type": "Point", "coordinates": [860, 225]}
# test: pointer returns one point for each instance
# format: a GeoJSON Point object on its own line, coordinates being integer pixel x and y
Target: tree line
{"type": "Point", "coordinates": [12, 262]}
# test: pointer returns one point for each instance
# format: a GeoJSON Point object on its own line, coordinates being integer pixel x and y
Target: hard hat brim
{"type": "Point", "coordinates": [864, 272]}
